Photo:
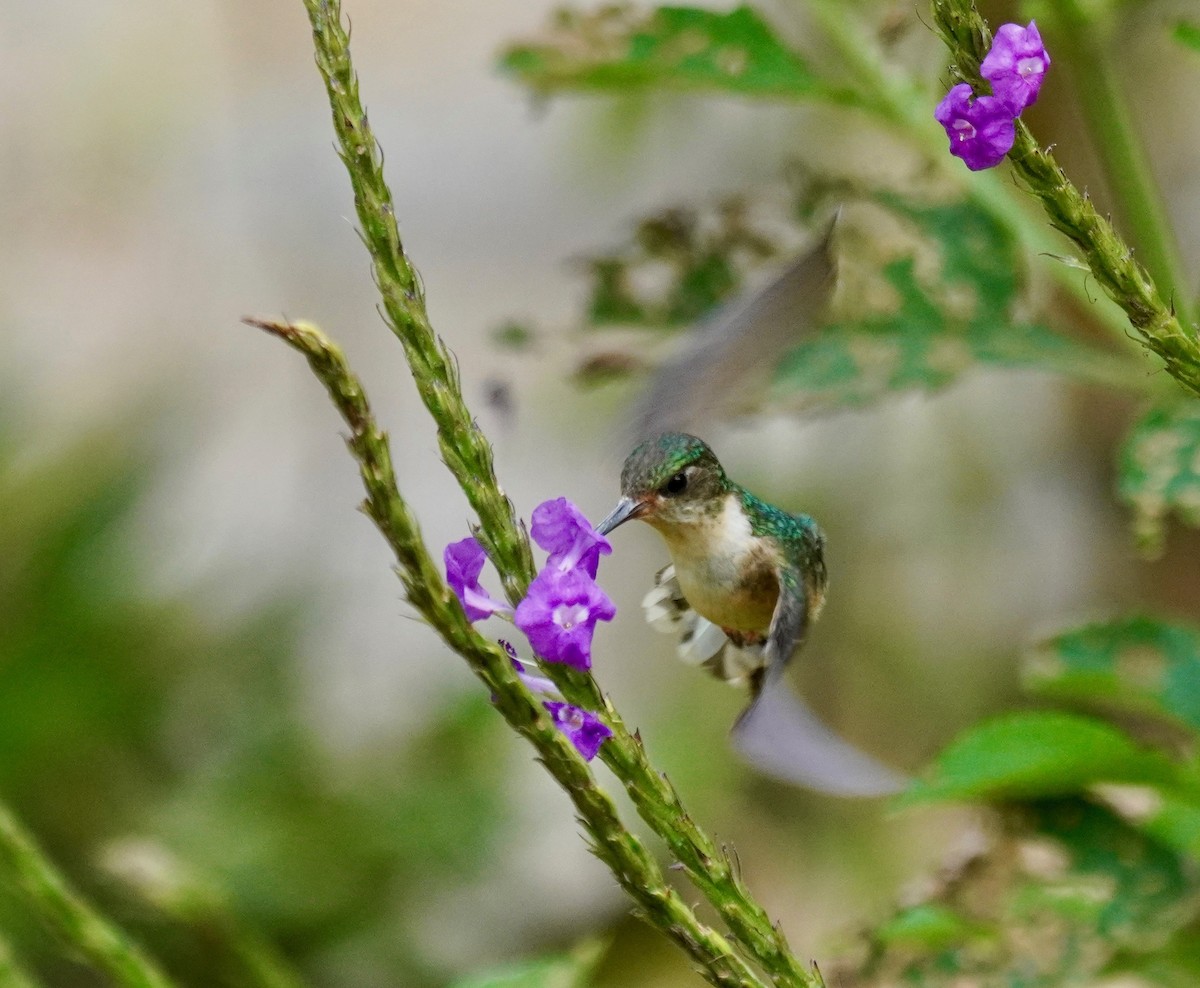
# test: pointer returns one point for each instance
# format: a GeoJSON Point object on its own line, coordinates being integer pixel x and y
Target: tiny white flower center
{"type": "Point", "coordinates": [566, 616]}
{"type": "Point", "coordinates": [1028, 66]}
{"type": "Point", "coordinates": [964, 129]}
{"type": "Point", "coordinates": [572, 718]}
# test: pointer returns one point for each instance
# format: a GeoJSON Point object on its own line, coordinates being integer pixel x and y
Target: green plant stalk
{"type": "Point", "coordinates": [76, 923]}
{"type": "Point", "coordinates": [1136, 194]}
{"type": "Point", "coordinates": [462, 444]}
{"type": "Point", "coordinates": [468, 455]}
{"type": "Point", "coordinates": [633, 867]}
{"type": "Point", "coordinates": [895, 101]}
{"type": "Point", "coordinates": [12, 975]}
{"type": "Point", "coordinates": [1072, 213]}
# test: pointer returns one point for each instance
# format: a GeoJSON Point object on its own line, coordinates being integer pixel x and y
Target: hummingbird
{"type": "Point", "coordinates": [745, 582]}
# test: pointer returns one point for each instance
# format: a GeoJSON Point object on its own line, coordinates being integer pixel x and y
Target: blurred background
{"type": "Point", "coordinates": [208, 678]}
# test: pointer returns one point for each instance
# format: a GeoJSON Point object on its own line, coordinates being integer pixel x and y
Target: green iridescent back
{"type": "Point", "coordinates": [799, 535]}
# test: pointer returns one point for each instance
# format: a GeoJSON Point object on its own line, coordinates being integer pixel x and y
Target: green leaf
{"type": "Point", "coordinates": [682, 48]}
{"type": "Point", "coordinates": [929, 926]}
{"type": "Point", "coordinates": [1188, 33]}
{"type": "Point", "coordinates": [1134, 663]}
{"type": "Point", "coordinates": [1037, 754]}
{"type": "Point", "coordinates": [572, 970]}
{"type": "Point", "coordinates": [938, 310]}
{"type": "Point", "coordinates": [1160, 471]}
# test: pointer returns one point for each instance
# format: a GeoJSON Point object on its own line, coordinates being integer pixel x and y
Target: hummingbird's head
{"type": "Point", "coordinates": [668, 481]}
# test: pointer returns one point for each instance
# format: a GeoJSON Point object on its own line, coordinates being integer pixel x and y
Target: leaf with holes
{"type": "Point", "coordinates": [941, 307]}
{"type": "Point", "coordinates": [1135, 664]}
{"type": "Point", "coordinates": [682, 48]}
{"type": "Point", "coordinates": [1160, 472]}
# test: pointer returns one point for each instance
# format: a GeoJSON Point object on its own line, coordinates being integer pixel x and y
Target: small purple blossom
{"type": "Point", "coordinates": [586, 731]}
{"type": "Point", "coordinates": [562, 530]}
{"type": "Point", "coordinates": [535, 684]}
{"type": "Point", "coordinates": [559, 615]}
{"type": "Point", "coordinates": [1016, 65]}
{"type": "Point", "coordinates": [464, 562]}
{"type": "Point", "coordinates": [981, 131]}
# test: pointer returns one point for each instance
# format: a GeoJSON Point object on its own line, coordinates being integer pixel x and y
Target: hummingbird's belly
{"type": "Point", "coordinates": [743, 601]}
{"type": "Point", "coordinates": [727, 575]}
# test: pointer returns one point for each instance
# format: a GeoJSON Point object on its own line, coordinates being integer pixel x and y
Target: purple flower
{"type": "Point", "coordinates": [535, 684]}
{"type": "Point", "coordinates": [586, 731]}
{"type": "Point", "coordinates": [561, 529]}
{"type": "Point", "coordinates": [464, 562]}
{"type": "Point", "coordinates": [1015, 65]}
{"type": "Point", "coordinates": [559, 615]}
{"type": "Point", "coordinates": [981, 131]}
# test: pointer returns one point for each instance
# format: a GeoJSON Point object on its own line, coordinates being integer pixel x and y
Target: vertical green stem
{"type": "Point", "coordinates": [1136, 195]}
{"type": "Point", "coordinates": [1072, 213]}
{"type": "Point", "coordinates": [462, 444]}
{"type": "Point", "coordinates": [65, 911]}
{"type": "Point", "coordinates": [468, 456]}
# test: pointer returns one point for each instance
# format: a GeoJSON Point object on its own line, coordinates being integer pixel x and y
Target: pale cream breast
{"type": "Point", "coordinates": [727, 575]}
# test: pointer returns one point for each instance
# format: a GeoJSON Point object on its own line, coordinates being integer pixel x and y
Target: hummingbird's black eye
{"type": "Point", "coordinates": [677, 484]}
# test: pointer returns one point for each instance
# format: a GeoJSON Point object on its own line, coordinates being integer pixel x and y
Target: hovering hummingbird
{"type": "Point", "coordinates": [746, 580]}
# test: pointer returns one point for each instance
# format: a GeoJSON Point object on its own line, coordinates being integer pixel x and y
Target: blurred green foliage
{"type": "Point", "coordinates": [1055, 892]}
{"type": "Point", "coordinates": [124, 712]}
{"type": "Point", "coordinates": [1089, 870]}
{"type": "Point", "coordinates": [1188, 33]}
{"type": "Point", "coordinates": [573, 970]}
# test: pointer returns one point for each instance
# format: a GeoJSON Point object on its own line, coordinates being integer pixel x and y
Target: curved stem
{"type": "Point", "coordinates": [1136, 195]}
{"type": "Point", "coordinates": [895, 101]}
{"type": "Point", "coordinates": [69, 915]}
{"type": "Point", "coordinates": [1072, 213]}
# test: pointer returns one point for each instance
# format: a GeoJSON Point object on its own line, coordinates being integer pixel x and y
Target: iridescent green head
{"type": "Point", "coordinates": [668, 480]}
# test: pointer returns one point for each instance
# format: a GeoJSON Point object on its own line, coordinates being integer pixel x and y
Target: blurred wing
{"type": "Point", "coordinates": [782, 738]}
{"type": "Point", "coordinates": [741, 340]}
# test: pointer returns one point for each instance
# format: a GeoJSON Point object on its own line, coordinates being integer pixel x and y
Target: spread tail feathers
{"type": "Point", "coordinates": [782, 738]}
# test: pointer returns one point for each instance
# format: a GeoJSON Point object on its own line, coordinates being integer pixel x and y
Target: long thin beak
{"type": "Point", "coordinates": [626, 508]}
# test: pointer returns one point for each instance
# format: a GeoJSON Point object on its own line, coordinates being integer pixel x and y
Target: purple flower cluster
{"type": "Point", "coordinates": [559, 612]}
{"type": "Point", "coordinates": [982, 128]}
{"type": "Point", "coordinates": [584, 729]}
